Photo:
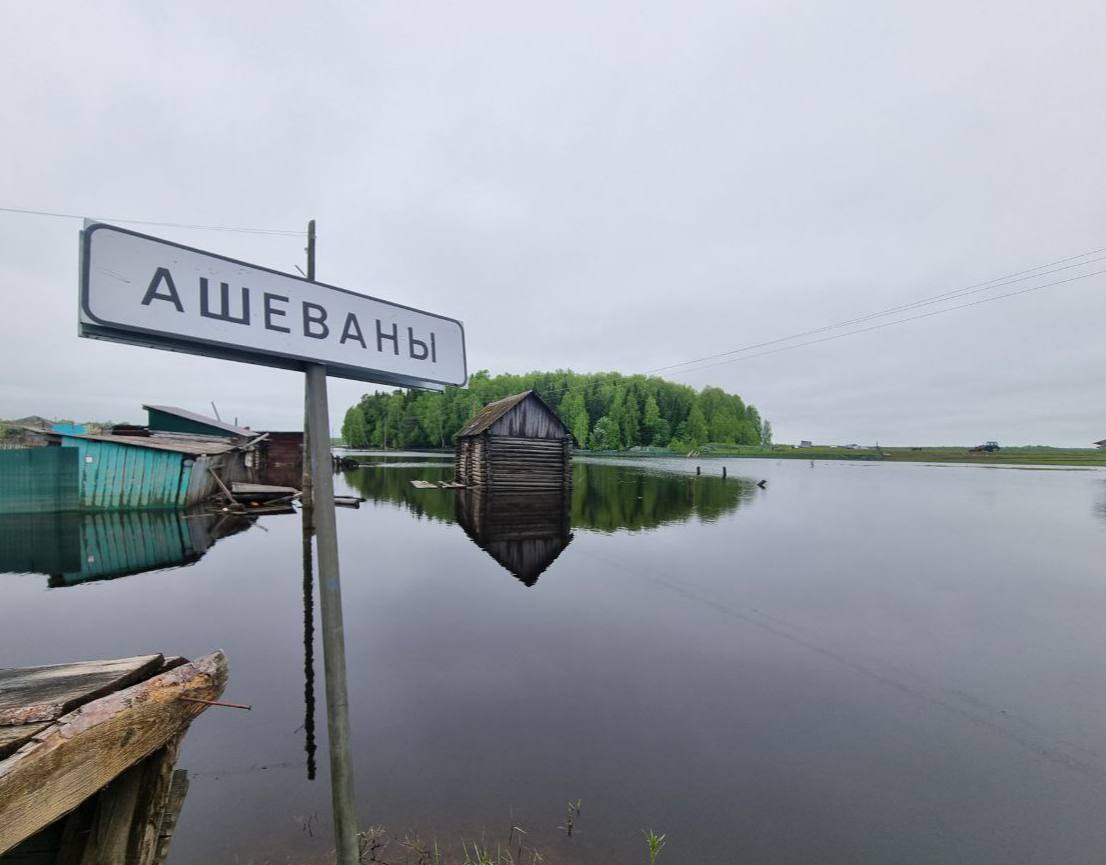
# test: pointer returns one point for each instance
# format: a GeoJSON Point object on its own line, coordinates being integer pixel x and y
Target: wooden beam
{"type": "Point", "coordinates": [178, 789]}
{"type": "Point", "coordinates": [86, 749]}
{"type": "Point", "coordinates": [111, 828]}
{"type": "Point", "coordinates": [156, 782]}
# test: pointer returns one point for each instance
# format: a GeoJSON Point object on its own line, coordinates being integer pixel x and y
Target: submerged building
{"type": "Point", "coordinates": [517, 443]}
{"type": "Point", "coordinates": [179, 460]}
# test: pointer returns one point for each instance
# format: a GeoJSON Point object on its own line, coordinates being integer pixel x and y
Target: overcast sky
{"type": "Point", "coordinates": [600, 186]}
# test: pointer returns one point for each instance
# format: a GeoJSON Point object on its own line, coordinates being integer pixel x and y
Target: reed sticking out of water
{"type": "Point", "coordinates": [572, 816]}
{"type": "Point", "coordinates": [377, 846]}
{"type": "Point", "coordinates": [655, 843]}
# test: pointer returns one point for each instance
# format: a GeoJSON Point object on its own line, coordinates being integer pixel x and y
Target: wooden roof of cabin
{"type": "Point", "coordinates": [483, 420]}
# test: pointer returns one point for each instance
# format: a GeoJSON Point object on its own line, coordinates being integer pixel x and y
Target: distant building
{"type": "Point", "coordinates": [1101, 444]}
{"type": "Point", "coordinates": [516, 443]}
{"type": "Point", "coordinates": [805, 444]}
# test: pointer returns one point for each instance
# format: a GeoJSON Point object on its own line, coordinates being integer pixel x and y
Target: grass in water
{"type": "Point", "coordinates": [377, 846]}
{"type": "Point", "coordinates": [655, 843]}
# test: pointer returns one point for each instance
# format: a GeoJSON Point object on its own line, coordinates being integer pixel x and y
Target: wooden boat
{"type": "Point", "coordinates": [87, 755]}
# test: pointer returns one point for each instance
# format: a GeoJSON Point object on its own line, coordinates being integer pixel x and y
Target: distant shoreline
{"type": "Point", "coordinates": [1026, 456]}
{"type": "Point", "coordinates": [1031, 456]}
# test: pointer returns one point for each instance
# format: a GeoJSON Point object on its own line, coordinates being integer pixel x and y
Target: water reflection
{"type": "Point", "coordinates": [524, 532]}
{"type": "Point", "coordinates": [611, 498]}
{"type": "Point", "coordinates": [869, 651]}
{"type": "Point", "coordinates": [604, 497]}
{"type": "Point", "coordinates": [76, 548]}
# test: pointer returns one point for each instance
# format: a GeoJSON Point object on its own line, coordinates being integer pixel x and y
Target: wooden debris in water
{"type": "Point", "coordinates": [46, 693]}
{"type": "Point", "coordinates": [102, 742]}
{"type": "Point", "coordinates": [262, 491]}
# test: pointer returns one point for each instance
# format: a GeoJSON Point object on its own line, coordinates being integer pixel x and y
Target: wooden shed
{"type": "Point", "coordinates": [515, 443]}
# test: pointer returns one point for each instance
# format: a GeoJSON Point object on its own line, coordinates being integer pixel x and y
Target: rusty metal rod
{"type": "Point", "coordinates": [217, 703]}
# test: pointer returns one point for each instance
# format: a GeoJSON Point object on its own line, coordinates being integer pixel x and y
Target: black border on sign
{"type": "Point", "coordinates": [107, 330]}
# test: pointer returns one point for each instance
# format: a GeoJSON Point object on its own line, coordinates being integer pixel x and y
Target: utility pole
{"type": "Point", "coordinates": [330, 600]}
{"type": "Point", "coordinates": [307, 499]}
{"type": "Point", "coordinates": [307, 518]}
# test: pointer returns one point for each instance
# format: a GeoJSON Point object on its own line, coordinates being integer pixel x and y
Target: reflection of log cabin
{"type": "Point", "coordinates": [524, 532]}
{"type": "Point", "coordinates": [516, 443]}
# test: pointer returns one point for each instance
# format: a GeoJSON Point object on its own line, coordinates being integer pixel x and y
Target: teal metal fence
{"type": "Point", "coordinates": [124, 477]}
{"type": "Point", "coordinates": [39, 480]}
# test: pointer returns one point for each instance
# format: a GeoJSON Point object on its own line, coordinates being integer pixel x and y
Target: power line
{"type": "Point", "coordinates": [897, 321]}
{"type": "Point", "coordinates": [282, 232]}
{"type": "Point", "coordinates": [997, 282]}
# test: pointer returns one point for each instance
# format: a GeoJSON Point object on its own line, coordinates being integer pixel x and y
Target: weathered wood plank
{"type": "Point", "coordinates": [30, 694]}
{"type": "Point", "coordinates": [111, 828]}
{"type": "Point", "coordinates": [75, 832]}
{"type": "Point", "coordinates": [12, 737]}
{"type": "Point", "coordinates": [178, 789]}
{"type": "Point", "coordinates": [73, 758]}
{"type": "Point", "coordinates": [152, 800]}
{"type": "Point", "coordinates": [245, 490]}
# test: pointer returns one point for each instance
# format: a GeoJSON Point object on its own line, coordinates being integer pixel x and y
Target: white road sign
{"type": "Point", "coordinates": [146, 291]}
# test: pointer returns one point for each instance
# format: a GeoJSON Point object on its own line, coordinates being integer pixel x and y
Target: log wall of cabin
{"type": "Point", "coordinates": [514, 463]}
{"type": "Point", "coordinates": [526, 463]}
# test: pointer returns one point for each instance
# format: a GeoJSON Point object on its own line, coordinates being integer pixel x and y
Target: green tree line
{"type": "Point", "coordinates": [604, 410]}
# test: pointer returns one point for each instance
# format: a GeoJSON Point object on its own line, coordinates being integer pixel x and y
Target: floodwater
{"type": "Point", "coordinates": [857, 663]}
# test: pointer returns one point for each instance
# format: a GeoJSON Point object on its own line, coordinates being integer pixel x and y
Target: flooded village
{"type": "Point", "coordinates": [580, 434]}
{"type": "Point", "coordinates": [543, 543]}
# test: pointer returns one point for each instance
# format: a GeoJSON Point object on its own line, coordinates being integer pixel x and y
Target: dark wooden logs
{"type": "Point", "coordinates": [509, 462]}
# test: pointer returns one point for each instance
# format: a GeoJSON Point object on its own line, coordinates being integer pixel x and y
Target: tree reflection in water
{"type": "Point", "coordinates": [525, 532]}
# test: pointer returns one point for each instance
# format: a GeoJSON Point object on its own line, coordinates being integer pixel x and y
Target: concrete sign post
{"type": "Point", "coordinates": [145, 291]}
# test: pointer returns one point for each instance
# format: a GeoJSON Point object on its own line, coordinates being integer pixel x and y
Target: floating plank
{"type": "Point", "coordinates": [32, 694]}
{"type": "Point", "coordinates": [424, 485]}
{"type": "Point", "coordinates": [348, 501]}
{"type": "Point", "coordinates": [450, 485]}
{"type": "Point", "coordinates": [94, 744]}
{"type": "Point", "coordinates": [262, 491]}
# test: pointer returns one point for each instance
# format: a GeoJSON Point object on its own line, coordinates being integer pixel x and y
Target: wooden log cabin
{"type": "Point", "coordinates": [517, 443]}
